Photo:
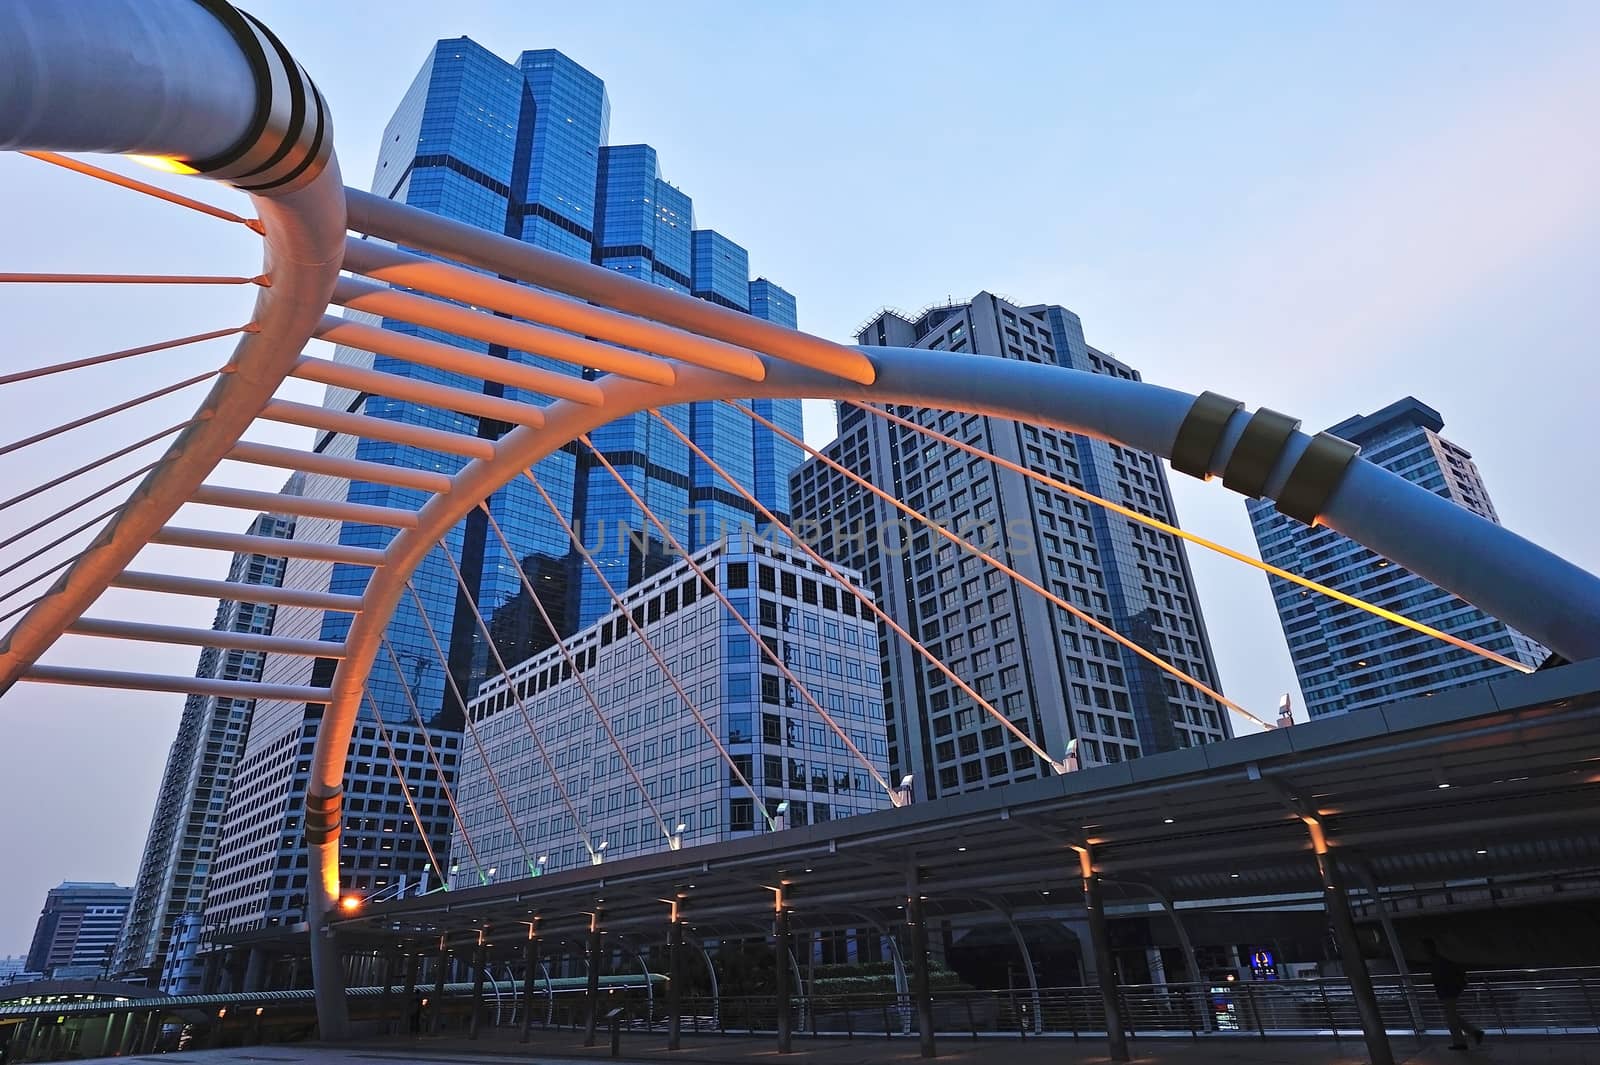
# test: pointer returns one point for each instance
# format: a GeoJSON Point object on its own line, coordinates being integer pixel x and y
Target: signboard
{"type": "Point", "coordinates": [1263, 966]}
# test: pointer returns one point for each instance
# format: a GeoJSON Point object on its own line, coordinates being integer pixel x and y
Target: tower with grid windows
{"type": "Point", "coordinates": [1047, 672]}
{"type": "Point", "coordinates": [519, 148]}
{"type": "Point", "coordinates": [1345, 658]}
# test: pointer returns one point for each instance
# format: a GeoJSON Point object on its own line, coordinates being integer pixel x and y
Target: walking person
{"type": "Point", "coordinates": [1449, 980]}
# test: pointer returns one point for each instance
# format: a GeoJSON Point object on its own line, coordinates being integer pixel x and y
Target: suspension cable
{"type": "Point", "coordinates": [572, 664]}
{"type": "Point", "coordinates": [733, 613]}
{"type": "Point", "coordinates": [472, 729]}
{"type": "Point", "coordinates": [58, 541]}
{"type": "Point", "coordinates": [1173, 530]}
{"type": "Point", "coordinates": [1083, 616]}
{"type": "Point", "coordinates": [133, 279]}
{"type": "Point", "coordinates": [522, 708]}
{"type": "Point", "coordinates": [89, 419]}
{"type": "Point", "coordinates": [125, 353]}
{"type": "Point", "coordinates": [8, 615]}
{"type": "Point", "coordinates": [94, 465]}
{"type": "Point", "coordinates": [661, 664]}
{"type": "Point", "coordinates": [31, 581]}
{"type": "Point", "coordinates": [69, 508]}
{"type": "Point", "coordinates": [866, 600]}
{"type": "Point", "coordinates": [405, 790]}
{"type": "Point", "coordinates": [433, 756]}
{"type": "Point", "coordinates": [144, 187]}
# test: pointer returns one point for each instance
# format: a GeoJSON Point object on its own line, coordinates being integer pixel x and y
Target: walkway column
{"type": "Point", "coordinates": [386, 999]}
{"type": "Point", "coordinates": [676, 978]}
{"type": "Point", "coordinates": [780, 957]}
{"type": "Point", "coordinates": [921, 996]}
{"type": "Point", "coordinates": [595, 958]}
{"type": "Point", "coordinates": [210, 971]}
{"type": "Point", "coordinates": [1344, 931]}
{"type": "Point", "coordinates": [441, 968]}
{"type": "Point", "coordinates": [255, 970]}
{"type": "Point", "coordinates": [130, 1025]}
{"type": "Point", "coordinates": [413, 962]}
{"type": "Point", "coordinates": [152, 1032]}
{"type": "Point", "coordinates": [480, 961]}
{"type": "Point", "coordinates": [1100, 943]}
{"type": "Point", "coordinates": [530, 977]}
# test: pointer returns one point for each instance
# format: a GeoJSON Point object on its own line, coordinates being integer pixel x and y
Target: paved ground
{"type": "Point", "coordinates": [565, 1048]}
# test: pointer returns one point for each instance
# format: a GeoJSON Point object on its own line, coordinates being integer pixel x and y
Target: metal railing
{"type": "Point", "coordinates": [1509, 1002]}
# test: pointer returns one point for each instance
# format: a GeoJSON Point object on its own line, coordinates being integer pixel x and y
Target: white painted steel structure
{"type": "Point", "coordinates": [196, 82]}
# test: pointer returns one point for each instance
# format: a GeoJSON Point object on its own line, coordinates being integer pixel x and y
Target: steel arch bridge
{"type": "Point", "coordinates": [208, 90]}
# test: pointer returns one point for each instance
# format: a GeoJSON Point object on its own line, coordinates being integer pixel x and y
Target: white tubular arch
{"type": "Point", "coordinates": [199, 83]}
{"type": "Point", "coordinates": [195, 80]}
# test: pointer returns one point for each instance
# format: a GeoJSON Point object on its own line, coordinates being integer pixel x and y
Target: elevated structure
{"type": "Point", "coordinates": [209, 90]}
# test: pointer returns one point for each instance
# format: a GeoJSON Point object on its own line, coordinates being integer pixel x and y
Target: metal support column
{"type": "Point", "coordinates": [1027, 967]}
{"type": "Point", "coordinates": [480, 962]}
{"type": "Point", "coordinates": [780, 949]}
{"type": "Point", "coordinates": [921, 995]}
{"type": "Point", "coordinates": [530, 960]}
{"type": "Point", "coordinates": [441, 967]}
{"type": "Point", "coordinates": [1370, 882]}
{"type": "Point", "coordinates": [716, 990]}
{"type": "Point", "coordinates": [591, 1023]}
{"type": "Point", "coordinates": [1344, 931]}
{"type": "Point", "coordinates": [152, 1032]}
{"type": "Point", "coordinates": [1116, 1036]}
{"type": "Point", "coordinates": [676, 979]}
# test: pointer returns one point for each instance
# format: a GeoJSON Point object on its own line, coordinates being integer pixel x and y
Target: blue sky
{"type": "Point", "coordinates": [1317, 208]}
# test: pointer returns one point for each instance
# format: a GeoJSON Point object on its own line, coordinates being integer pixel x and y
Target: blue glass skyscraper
{"type": "Point", "coordinates": [1345, 658]}
{"type": "Point", "coordinates": [518, 148]}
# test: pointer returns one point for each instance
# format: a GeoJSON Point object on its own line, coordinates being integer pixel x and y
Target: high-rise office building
{"type": "Point", "coordinates": [78, 926]}
{"type": "Point", "coordinates": [1347, 659]}
{"type": "Point", "coordinates": [782, 746]}
{"type": "Point", "coordinates": [1050, 674]}
{"type": "Point", "coordinates": [182, 840]}
{"type": "Point", "coordinates": [518, 148]}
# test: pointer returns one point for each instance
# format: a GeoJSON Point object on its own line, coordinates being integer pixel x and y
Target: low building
{"type": "Point", "coordinates": [78, 926]}
{"type": "Point", "coordinates": [782, 746]}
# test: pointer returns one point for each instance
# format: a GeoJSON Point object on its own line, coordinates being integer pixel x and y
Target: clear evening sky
{"type": "Point", "coordinates": [1317, 208]}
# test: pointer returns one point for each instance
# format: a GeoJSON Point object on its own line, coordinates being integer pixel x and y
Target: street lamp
{"type": "Point", "coordinates": [599, 854]}
{"type": "Point", "coordinates": [780, 817]}
{"type": "Point", "coordinates": [537, 868]}
{"type": "Point", "coordinates": [676, 843]}
{"type": "Point", "coordinates": [902, 794]}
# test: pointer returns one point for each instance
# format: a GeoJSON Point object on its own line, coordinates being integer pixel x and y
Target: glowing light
{"type": "Point", "coordinates": [350, 903]}
{"type": "Point", "coordinates": [164, 163]}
